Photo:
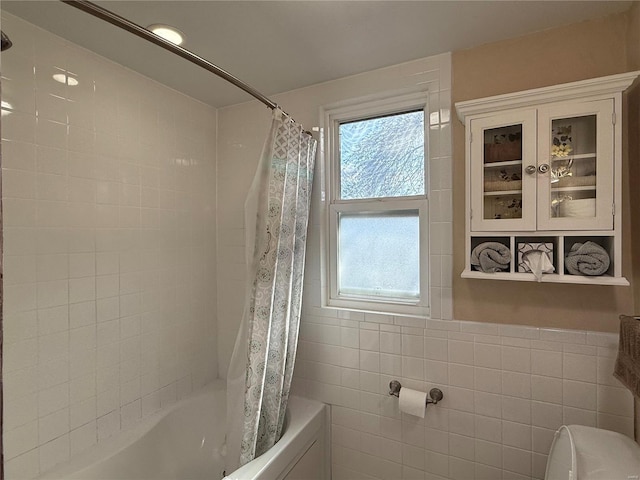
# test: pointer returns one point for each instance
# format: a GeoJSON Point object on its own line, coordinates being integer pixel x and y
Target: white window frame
{"type": "Point", "coordinates": [331, 119]}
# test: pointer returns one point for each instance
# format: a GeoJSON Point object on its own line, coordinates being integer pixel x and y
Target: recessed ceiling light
{"type": "Point", "coordinates": [64, 78]}
{"type": "Point", "coordinates": [167, 32]}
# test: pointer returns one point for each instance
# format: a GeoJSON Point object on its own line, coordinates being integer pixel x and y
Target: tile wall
{"type": "Point", "coordinates": [109, 248]}
{"type": "Point", "coordinates": [507, 388]}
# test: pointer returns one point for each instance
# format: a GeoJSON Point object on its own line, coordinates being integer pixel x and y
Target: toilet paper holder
{"type": "Point", "coordinates": [435, 393]}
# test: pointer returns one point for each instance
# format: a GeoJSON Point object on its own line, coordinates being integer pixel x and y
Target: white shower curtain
{"type": "Point", "coordinates": [276, 218]}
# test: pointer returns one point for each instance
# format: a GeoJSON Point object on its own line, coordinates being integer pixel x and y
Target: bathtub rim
{"type": "Point", "coordinates": [110, 447]}
{"type": "Point", "coordinates": [307, 418]}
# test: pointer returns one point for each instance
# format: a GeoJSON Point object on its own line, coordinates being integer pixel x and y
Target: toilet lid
{"type": "Point", "coordinates": [601, 454]}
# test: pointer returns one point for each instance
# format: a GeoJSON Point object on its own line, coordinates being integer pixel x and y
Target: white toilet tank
{"type": "Point", "coordinates": [587, 453]}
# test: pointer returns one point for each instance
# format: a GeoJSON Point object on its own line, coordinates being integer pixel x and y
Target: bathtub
{"type": "Point", "coordinates": [185, 442]}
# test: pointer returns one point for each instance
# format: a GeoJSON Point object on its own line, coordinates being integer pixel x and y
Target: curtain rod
{"type": "Point", "coordinates": [121, 22]}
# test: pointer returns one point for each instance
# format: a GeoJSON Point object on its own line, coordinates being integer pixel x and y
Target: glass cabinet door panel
{"type": "Point", "coordinates": [499, 183]}
{"type": "Point", "coordinates": [502, 182]}
{"type": "Point", "coordinates": [575, 173]}
{"type": "Point", "coordinates": [503, 206]}
{"type": "Point", "coordinates": [503, 144]}
{"type": "Point", "coordinates": [573, 166]}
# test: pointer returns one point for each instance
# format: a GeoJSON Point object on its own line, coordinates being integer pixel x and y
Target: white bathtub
{"type": "Point", "coordinates": [185, 442]}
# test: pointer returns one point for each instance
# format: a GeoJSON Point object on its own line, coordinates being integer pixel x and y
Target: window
{"type": "Point", "coordinates": [376, 252]}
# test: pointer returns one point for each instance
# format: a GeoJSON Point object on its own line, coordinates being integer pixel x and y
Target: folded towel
{"type": "Point", "coordinates": [587, 258]}
{"type": "Point", "coordinates": [491, 257]}
{"type": "Point", "coordinates": [538, 262]}
{"type": "Point", "coordinates": [627, 367]}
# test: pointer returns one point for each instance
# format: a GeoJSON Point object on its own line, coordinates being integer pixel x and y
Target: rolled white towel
{"type": "Point", "coordinates": [587, 258]}
{"type": "Point", "coordinates": [491, 257]}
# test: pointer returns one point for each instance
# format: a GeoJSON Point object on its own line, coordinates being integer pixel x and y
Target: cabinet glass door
{"type": "Point", "coordinates": [575, 167]}
{"type": "Point", "coordinates": [502, 192]}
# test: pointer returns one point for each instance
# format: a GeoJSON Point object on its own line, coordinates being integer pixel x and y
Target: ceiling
{"type": "Point", "coordinates": [277, 46]}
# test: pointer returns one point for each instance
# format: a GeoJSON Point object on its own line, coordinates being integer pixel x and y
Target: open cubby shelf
{"type": "Point", "coordinates": [556, 247]}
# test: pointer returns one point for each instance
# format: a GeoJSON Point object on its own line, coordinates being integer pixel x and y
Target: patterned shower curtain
{"type": "Point", "coordinates": [276, 219]}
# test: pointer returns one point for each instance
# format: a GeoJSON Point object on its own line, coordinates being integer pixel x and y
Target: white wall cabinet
{"type": "Point", "coordinates": [544, 169]}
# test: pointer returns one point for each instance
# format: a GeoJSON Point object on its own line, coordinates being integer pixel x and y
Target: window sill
{"type": "Point", "coordinates": [370, 306]}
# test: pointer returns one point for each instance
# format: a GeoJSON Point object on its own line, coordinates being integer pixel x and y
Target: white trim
{"type": "Point", "coordinates": [556, 93]}
{"type": "Point", "coordinates": [387, 102]}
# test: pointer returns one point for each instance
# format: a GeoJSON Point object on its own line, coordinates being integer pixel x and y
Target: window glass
{"type": "Point", "coordinates": [379, 254]}
{"type": "Point", "coordinates": [382, 157]}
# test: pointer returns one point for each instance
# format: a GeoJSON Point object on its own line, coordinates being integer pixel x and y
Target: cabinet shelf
{"type": "Point", "coordinates": [581, 156]}
{"type": "Point", "coordinates": [547, 278]}
{"type": "Point", "coordinates": [573, 189]}
{"type": "Point", "coordinates": [510, 163]}
{"type": "Point", "coordinates": [498, 193]}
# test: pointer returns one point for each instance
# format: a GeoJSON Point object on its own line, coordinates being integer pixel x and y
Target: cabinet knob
{"type": "Point", "coordinates": [530, 169]}
{"type": "Point", "coordinates": [544, 168]}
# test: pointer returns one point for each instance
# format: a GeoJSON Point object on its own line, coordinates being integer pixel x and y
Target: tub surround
{"type": "Point", "coordinates": [109, 248]}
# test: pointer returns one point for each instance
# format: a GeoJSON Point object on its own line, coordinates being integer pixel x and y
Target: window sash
{"type": "Point", "coordinates": [379, 303]}
{"type": "Point", "coordinates": [385, 279]}
{"type": "Point", "coordinates": [376, 108]}
{"type": "Point", "coordinates": [339, 165]}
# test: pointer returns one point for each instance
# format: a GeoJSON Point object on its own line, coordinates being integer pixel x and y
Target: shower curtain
{"type": "Point", "coordinates": [276, 218]}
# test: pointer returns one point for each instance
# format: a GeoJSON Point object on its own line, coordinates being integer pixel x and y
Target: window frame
{"type": "Point", "coordinates": [333, 205]}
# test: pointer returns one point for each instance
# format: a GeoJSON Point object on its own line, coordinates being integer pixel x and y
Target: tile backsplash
{"type": "Point", "coordinates": [109, 248]}
{"type": "Point", "coordinates": [506, 390]}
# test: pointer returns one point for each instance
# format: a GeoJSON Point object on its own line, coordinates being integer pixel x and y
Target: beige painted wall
{"type": "Point", "coordinates": [633, 150]}
{"type": "Point", "coordinates": [633, 164]}
{"type": "Point", "coordinates": [585, 50]}
{"type": "Point", "coordinates": [633, 37]}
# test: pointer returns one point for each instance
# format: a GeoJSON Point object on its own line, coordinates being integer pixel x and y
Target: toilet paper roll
{"type": "Point", "coordinates": [413, 402]}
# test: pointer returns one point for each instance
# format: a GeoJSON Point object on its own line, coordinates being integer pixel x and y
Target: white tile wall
{"type": "Point", "coordinates": [109, 248]}
{"type": "Point", "coordinates": [505, 395]}
{"type": "Point", "coordinates": [507, 388]}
